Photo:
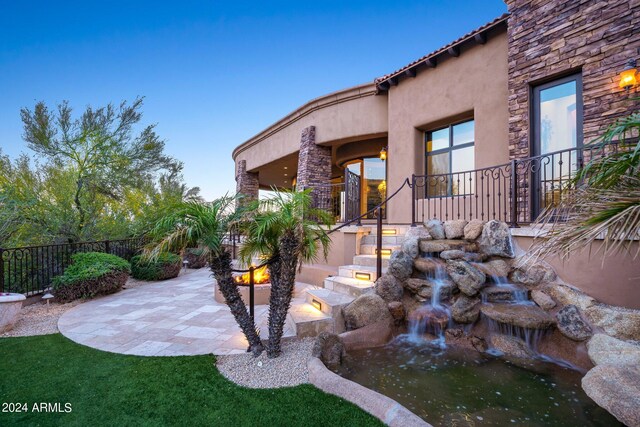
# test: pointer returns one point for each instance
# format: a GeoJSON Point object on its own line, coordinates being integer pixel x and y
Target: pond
{"type": "Point", "coordinates": [462, 387]}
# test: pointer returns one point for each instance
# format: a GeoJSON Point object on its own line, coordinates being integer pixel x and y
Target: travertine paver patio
{"type": "Point", "coordinates": [168, 318]}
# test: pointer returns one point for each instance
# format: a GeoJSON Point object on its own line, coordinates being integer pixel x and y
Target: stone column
{"type": "Point", "coordinates": [314, 169]}
{"type": "Point", "coordinates": [246, 183]}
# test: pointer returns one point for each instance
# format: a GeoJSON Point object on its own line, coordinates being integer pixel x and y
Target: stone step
{"type": "Point", "coordinates": [371, 249]}
{"type": "Point", "coordinates": [387, 230]}
{"type": "Point", "coordinates": [356, 271]}
{"type": "Point", "coordinates": [327, 301]}
{"type": "Point", "coordinates": [348, 286]}
{"type": "Point", "coordinates": [372, 239]}
{"type": "Point", "coordinates": [308, 321]}
{"type": "Point", "coordinates": [370, 260]}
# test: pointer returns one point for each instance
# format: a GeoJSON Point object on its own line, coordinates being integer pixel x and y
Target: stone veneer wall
{"type": "Point", "coordinates": [246, 182]}
{"type": "Point", "coordinates": [314, 168]}
{"type": "Point", "coordinates": [549, 38]}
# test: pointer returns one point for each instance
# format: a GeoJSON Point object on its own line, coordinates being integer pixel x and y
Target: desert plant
{"type": "Point", "coordinates": [286, 229]}
{"type": "Point", "coordinates": [162, 267]}
{"type": "Point", "coordinates": [91, 274]}
{"type": "Point", "coordinates": [204, 225]}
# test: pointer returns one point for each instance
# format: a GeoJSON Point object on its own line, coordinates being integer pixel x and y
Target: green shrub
{"type": "Point", "coordinates": [165, 266]}
{"type": "Point", "coordinates": [91, 274]}
{"type": "Point", "coordinates": [196, 257]}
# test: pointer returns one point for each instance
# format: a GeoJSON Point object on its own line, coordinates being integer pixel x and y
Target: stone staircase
{"type": "Point", "coordinates": [322, 310]}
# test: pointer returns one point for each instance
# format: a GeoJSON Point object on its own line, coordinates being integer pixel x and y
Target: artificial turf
{"type": "Point", "coordinates": [107, 389]}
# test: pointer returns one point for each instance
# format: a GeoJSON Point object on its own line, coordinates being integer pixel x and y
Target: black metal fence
{"type": "Point", "coordinates": [29, 270]}
{"type": "Point", "coordinates": [515, 192]}
{"type": "Point", "coordinates": [342, 199]}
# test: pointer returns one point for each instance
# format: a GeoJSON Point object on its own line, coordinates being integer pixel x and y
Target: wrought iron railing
{"type": "Point", "coordinates": [515, 192]}
{"type": "Point", "coordinates": [342, 199]}
{"type": "Point", "coordinates": [29, 270]}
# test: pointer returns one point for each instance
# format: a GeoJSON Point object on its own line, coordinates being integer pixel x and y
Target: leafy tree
{"type": "Point", "coordinates": [285, 229]}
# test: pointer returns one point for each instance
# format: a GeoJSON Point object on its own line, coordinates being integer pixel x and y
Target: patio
{"type": "Point", "coordinates": [169, 318]}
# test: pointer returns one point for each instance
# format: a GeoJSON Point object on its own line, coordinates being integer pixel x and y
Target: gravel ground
{"type": "Point", "coordinates": [35, 319]}
{"type": "Point", "coordinates": [290, 369]}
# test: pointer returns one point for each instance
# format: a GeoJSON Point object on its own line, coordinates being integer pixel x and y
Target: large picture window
{"type": "Point", "coordinates": [450, 150]}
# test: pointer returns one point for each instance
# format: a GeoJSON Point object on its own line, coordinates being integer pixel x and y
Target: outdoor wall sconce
{"type": "Point", "coordinates": [383, 154]}
{"type": "Point", "coordinates": [317, 304]}
{"type": "Point", "coordinates": [363, 276]}
{"type": "Point", "coordinates": [628, 75]}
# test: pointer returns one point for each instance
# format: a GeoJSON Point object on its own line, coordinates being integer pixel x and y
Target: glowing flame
{"type": "Point", "coordinates": [260, 275]}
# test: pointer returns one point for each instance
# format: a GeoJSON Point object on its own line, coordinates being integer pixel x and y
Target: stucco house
{"type": "Point", "coordinates": [485, 127]}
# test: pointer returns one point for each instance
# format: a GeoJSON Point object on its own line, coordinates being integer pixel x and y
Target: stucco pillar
{"type": "Point", "coordinates": [246, 182]}
{"type": "Point", "coordinates": [314, 168]}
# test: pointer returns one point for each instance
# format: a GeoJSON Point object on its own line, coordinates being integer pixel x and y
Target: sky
{"type": "Point", "coordinates": [213, 73]}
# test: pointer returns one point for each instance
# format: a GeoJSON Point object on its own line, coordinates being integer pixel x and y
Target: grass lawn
{"type": "Point", "coordinates": [120, 390]}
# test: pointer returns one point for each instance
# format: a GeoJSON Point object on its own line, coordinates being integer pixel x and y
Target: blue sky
{"type": "Point", "coordinates": [213, 74]}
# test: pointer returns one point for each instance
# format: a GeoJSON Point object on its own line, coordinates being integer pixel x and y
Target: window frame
{"type": "Point", "coordinates": [449, 149]}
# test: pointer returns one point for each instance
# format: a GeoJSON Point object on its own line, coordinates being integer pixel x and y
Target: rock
{"type": "Point", "coordinates": [424, 288]}
{"type": "Point", "coordinates": [400, 265]}
{"type": "Point", "coordinates": [434, 319]}
{"type": "Point", "coordinates": [524, 316]}
{"type": "Point", "coordinates": [496, 240]}
{"type": "Point", "coordinates": [496, 267]}
{"type": "Point", "coordinates": [619, 322]}
{"type": "Point", "coordinates": [414, 285]}
{"type": "Point", "coordinates": [365, 310]}
{"type": "Point", "coordinates": [427, 265]}
{"type": "Point", "coordinates": [397, 311]}
{"type": "Point", "coordinates": [458, 254]}
{"type": "Point", "coordinates": [465, 309]}
{"type": "Point", "coordinates": [418, 231]}
{"type": "Point", "coordinates": [435, 229]}
{"type": "Point", "coordinates": [389, 288]}
{"type": "Point", "coordinates": [533, 274]}
{"type": "Point", "coordinates": [616, 388]}
{"type": "Point", "coordinates": [330, 349]}
{"type": "Point", "coordinates": [468, 278]}
{"type": "Point", "coordinates": [566, 295]}
{"type": "Point", "coordinates": [604, 349]}
{"type": "Point", "coordinates": [512, 346]}
{"type": "Point", "coordinates": [454, 333]}
{"type": "Point", "coordinates": [497, 294]}
{"type": "Point", "coordinates": [543, 300]}
{"type": "Point", "coordinates": [473, 229]}
{"type": "Point", "coordinates": [454, 229]}
{"type": "Point", "coordinates": [437, 246]}
{"type": "Point", "coordinates": [410, 247]}
{"type": "Point", "coordinates": [479, 344]}
{"type": "Point", "coordinates": [572, 325]}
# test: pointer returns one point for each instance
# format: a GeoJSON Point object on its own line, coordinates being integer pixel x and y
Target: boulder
{"type": "Point", "coordinates": [623, 323]}
{"type": "Point", "coordinates": [435, 229]}
{"type": "Point", "coordinates": [479, 344]}
{"type": "Point", "coordinates": [497, 294]}
{"type": "Point", "coordinates": [566, 295]}
{"type": "Point", "coordinates": [437, 246]}
{"type": "Point", "coordinates": [397, 311]}
{"type": "Point", "coordinates": [389, 288]}
{"type": "Point", "coordinates": [572, 325]}
{"type": "Point", "coordinates": [616, 388]}
{"type": "Point", "coordinates": [473, 229]}
{"type": "Point", "coordinates": [458, 254]}
{"type": "Point", "coordinates": [512, 346]}
{"type": "Point", "coordinates": [465, 309]}
{"type": "Point", "coordinates": [496, 240]}
{"type": "Point", "coordinates": [533, 274]}
{"type": "Point", "coordinates": [427, 265]}
{"type": "Point", "coordinates": [365, 310]}
{"type": "Point", "coordinates": [604, 349]}
{"type": "Point", "coordinates": [454, 229]}
{"type": "Point", "coordinates": [496, 267]}
{"type": "Point", "coordinates": [410, 247]}
{"type": "Point", "coordinates": [418, 231]}
{"type": "Point", "coordinates": [468, 278]}
{"type": "Point", "coordinates": [329, 349]}
{"type": "Point", "coordinates": [424, 288]}
{"type": "Point", "coordinates": [524, 316]}
{"type": "Point", "coordinates": [543, 300]}
{"type": "Point", "coordinates": [400, 265]}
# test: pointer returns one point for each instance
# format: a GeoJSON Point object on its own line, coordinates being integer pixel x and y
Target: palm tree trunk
{"type": "Point", "coordinates": [284, 273]}
{"type": "Point", "coordinates": [221, 269]}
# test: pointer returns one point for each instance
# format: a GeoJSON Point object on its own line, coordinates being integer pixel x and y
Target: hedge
{"type": "Point", "coordinates": [91, 274]}
{"type": "Point", "coordinates": [164, 266]}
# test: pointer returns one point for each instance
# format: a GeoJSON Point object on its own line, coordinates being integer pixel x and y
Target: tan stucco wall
{"type": "Point", "coordinates": [615, 282]}
{"type": "Point", "coordinates": [472, 85]}
{"type": "Point", "coordinates": [350, 114]}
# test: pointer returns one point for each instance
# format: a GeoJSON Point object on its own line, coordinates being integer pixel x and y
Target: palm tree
{"type": "Point", "coordinates": [285, 229]}
{"type": "Point", "coordinates": [196, 224]}
{"type": "Point", "coordinates": [602, 201]}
